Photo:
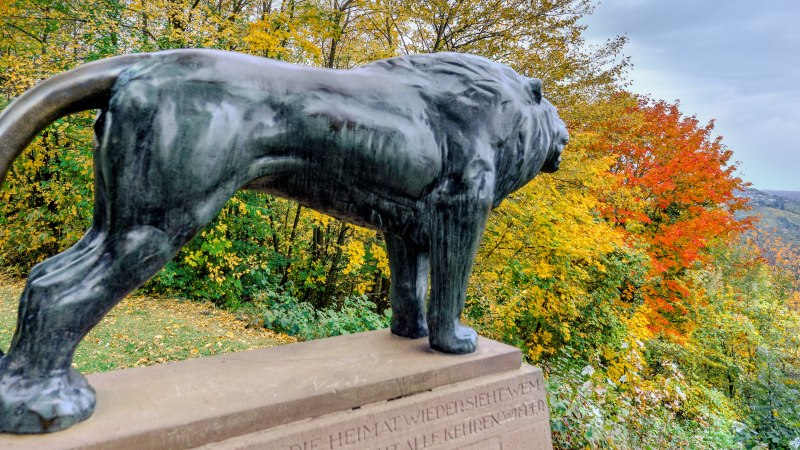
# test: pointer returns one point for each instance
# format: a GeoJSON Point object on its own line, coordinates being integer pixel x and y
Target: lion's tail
{"type": "Point", "coordinates": [86, 87]}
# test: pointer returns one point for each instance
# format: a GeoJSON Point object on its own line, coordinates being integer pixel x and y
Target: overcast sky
{"type": "Point", "coordinates": [734, 61]}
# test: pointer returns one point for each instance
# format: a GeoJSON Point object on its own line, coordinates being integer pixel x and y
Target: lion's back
{"type": "Point", "coordinates": [349, 126]}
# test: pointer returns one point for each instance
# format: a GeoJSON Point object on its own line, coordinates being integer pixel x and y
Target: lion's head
{"type": "Point", "coordinates": [550, 129]}
{"type": "Point", "coordinates": [522, 126]}
{"type": "Point", "coordinates": [494, 106]}
{"type": "Point", "coordinates": [554, 126]}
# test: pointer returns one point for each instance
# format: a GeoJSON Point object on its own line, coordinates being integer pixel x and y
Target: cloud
{"type": "Point", "coordinates": [734, 61]}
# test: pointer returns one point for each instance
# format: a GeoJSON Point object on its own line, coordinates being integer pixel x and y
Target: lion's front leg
{"type": "Point", "coordinates": [409, 269]}
{"type": "Point", "coordinates": [456, 227]}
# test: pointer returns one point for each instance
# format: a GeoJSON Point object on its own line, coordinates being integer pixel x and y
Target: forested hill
{"type": "Point", "coordinates": [778, 211]}
{"type": "Point", "coordinates": [792, 195]}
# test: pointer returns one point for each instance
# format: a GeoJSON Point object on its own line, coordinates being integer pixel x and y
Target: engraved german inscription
{"type": "Point", "coordinates": [466, 416]}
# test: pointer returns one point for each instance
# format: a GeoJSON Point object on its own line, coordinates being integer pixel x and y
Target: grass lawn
{"type": "Point", "coordinates": [142, 331]}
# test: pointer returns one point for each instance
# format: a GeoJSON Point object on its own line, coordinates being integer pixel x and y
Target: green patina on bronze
{"type": "Point", "coordinates": [419, 147]}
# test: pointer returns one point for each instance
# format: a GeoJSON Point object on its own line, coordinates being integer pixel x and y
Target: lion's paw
{"type": "Point", "coordinates": [44, 405]}
{"type": "Point", "coordinates": [412, 329]}
{"type": "Point", "coordinates": [460, 341]}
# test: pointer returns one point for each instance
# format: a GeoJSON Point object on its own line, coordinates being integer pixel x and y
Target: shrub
{"type": "Point", "coordinates": [589, 411]}
{"type": "Point", "coordinates": [284, 313]}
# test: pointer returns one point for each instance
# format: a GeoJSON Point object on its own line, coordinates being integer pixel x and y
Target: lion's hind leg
{"type": "Point", "coordinates": [90, 239]}
{"type": "Point", "coordinates": [141, 220]}
{"type": "Point", "coordinates": [409, 271]}
{"type": "Point", "coordinates": [39, 391]}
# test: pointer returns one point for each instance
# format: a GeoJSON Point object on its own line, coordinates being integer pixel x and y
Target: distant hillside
{"type": "Point", "coordinates": [794, 195]}
{"type": "Point", "coordinates": [779, 210]}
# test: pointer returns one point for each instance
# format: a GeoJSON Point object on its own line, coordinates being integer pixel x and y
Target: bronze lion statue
{"type": "Point", "coordinates": [418, 147]}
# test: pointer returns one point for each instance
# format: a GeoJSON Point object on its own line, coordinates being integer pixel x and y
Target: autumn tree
{"type": "Point", "coordinates": [680, 201]}
{"type": "Point", "coordinates": [46, 204]}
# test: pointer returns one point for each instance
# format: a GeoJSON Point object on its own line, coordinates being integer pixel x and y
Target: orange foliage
{"type": "Point", "coordinates": [682, 185]}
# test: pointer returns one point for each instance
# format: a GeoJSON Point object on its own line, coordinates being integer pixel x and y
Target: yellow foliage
{"type": "Point", "coordinates": [288, 34]}
{"type": "Point", "coordinates": [626, 365]}
{"type": "Point", "coordinates": [540, 251]}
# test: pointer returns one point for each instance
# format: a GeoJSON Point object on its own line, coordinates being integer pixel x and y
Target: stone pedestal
{"type": "Point", "coordinates": [364, 391]}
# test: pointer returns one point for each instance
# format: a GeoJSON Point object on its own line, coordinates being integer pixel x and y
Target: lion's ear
{"type": "Point", "coordinates": [536, 89]}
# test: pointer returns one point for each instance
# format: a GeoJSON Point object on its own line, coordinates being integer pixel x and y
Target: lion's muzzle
{"type": "Point", "coordinates": [560, 141]}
